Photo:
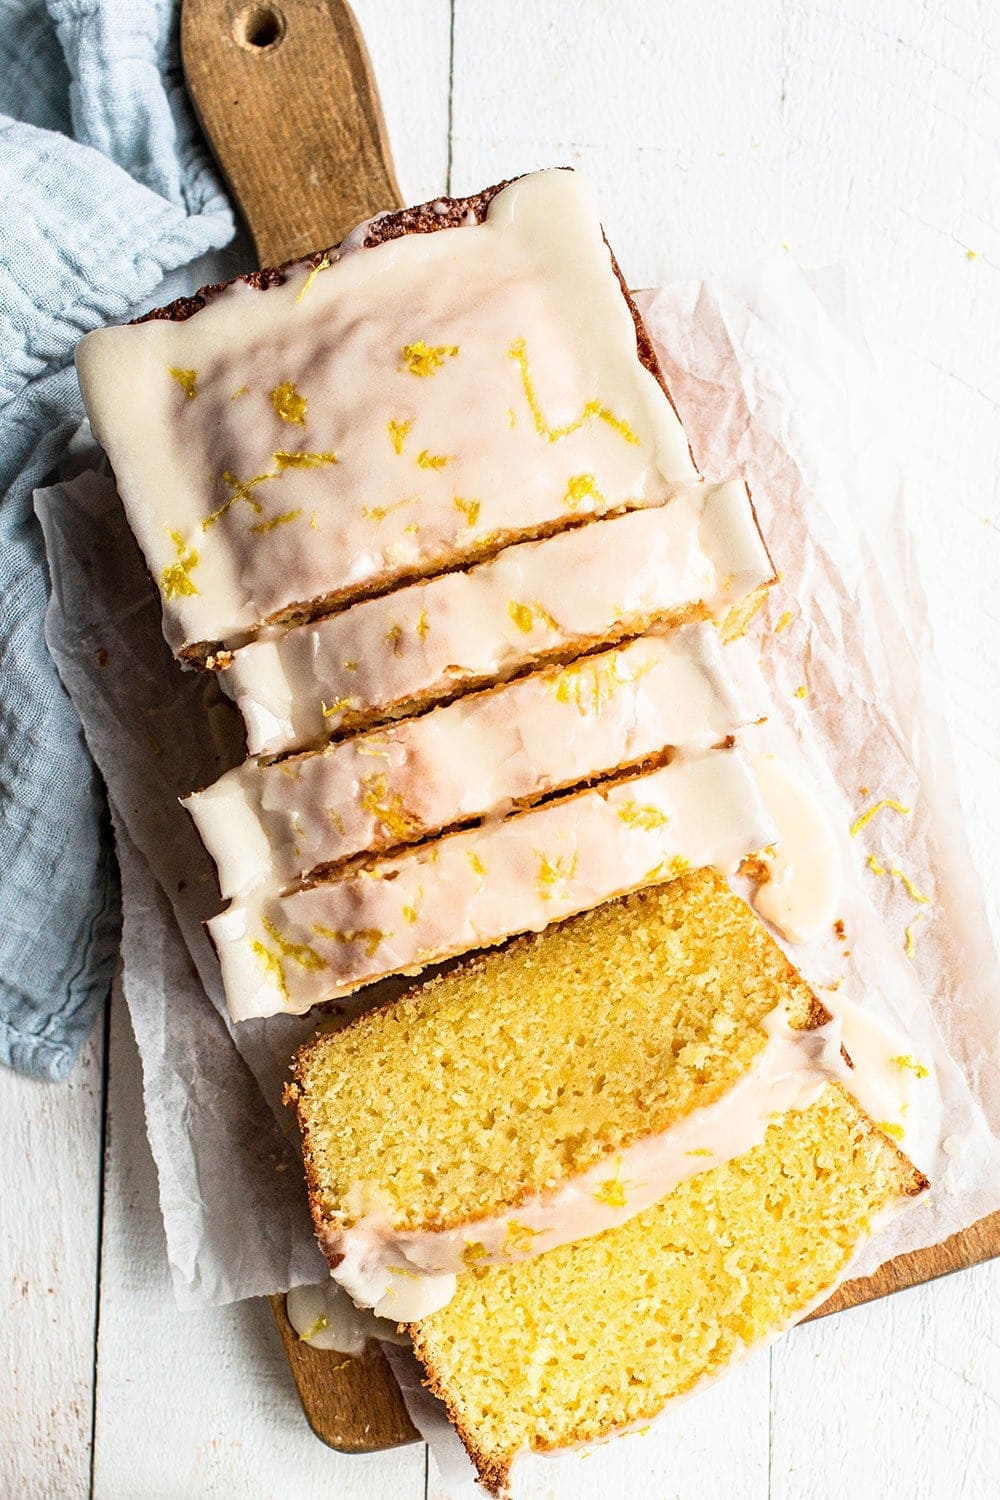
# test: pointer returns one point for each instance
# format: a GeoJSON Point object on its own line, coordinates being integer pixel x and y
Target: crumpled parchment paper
{"type": "Point", "coordinates": [772, 380]}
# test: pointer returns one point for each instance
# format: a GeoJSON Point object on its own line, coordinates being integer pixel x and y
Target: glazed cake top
{"type": "Point", "coordinates": [397, 406]}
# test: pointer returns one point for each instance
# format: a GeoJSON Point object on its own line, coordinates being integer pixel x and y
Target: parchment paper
{"type": "Point", "coordinates": [772, 380]}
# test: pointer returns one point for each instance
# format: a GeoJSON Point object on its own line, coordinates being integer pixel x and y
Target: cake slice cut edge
{"type": "Point", "coordinates": [695, 558]}
{"type": "Point", "coordinates": [598, 1337]}
{"type": "Point", "coordinates": [474, 889]}
{"type": "Point", "coordinates": [638, 1044]}
{"type": "Point", "coordinates": [276, 823]}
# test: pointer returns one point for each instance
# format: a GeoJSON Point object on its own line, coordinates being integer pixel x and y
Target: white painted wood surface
{"type": "Point", "coordinates": [848, 131]}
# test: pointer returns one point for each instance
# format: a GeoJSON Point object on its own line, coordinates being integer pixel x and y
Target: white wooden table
{"type": "Point", "coordinates": [855, 130]}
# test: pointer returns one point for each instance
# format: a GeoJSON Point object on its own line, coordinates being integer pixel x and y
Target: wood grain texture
{"type": "Point", "coordinates": [50, 1202]}
{"type": "Point", "coordinates": [195, 1406]}
{"type": "Point", "coordinates": [957, 1253]}
{"type": "Point", "coordinates": [846, 132]}
{"type": "Point", "coordinates": [352, 1404]}
{"type": "Point", "coordinates": [285, 95]}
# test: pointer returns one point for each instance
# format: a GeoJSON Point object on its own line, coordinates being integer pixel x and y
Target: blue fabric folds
{"type": "Point", "coordinates": [105, 187]}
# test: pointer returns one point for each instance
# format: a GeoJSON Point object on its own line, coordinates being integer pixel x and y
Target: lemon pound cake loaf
{"type": "Point", "coordinates": [598, 1336]}
{"type": "Point", "coordinates": [479, 756]}
{"type": "Point", "coordinates": [383, 410]}
{"type": "Point", "coordinates": [696, 558]}
{"type": "Point", "coordinates": [637, 1045]}
{"type": "Point", "coordinates": [473, 889]}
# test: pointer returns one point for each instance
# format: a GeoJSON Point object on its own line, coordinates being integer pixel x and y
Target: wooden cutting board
{"type": "Point", "coordinates": [285, 94]}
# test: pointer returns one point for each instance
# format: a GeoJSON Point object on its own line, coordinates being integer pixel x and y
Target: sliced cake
{"type": "Point", "coordinates": [694, 558]}
{"type": "Point", "coordinates": [473, 889]}
{"type": "Point", "coordinates": [276, 822]}
{"type": "Point", "coordinates": [599, 1335]}
{"type": "Point", "coordinates": [552, 1090]}
{"type": "Point", "coordinates": [377, 412]}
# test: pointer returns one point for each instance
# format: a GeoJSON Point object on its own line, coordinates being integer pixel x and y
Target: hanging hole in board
{"type": "Point", "coordinates": [259, 28]}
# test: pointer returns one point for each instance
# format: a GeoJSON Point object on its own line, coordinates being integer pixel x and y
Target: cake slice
{"type": "Point", "coordinates": [694, 558]}
{"type": "Point", "coordinates": [598, 1336]}
{"type": "Point", "coordinates": [552, 1090]}
{"type": "Point", "coordinates": [473, 889]}
{"type": "Point", "coordinates": [274, 823]}
{"type": "Point", "coordinates": [377, 412]}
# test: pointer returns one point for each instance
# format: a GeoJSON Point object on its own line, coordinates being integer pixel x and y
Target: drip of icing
{"type": "Point", "coordinates": [324, 1316]}
{"type": "Point", "coordinates": [804, 871]}
{"type": "Point", "coordinates": [893, 1086]}
{"type": "Point", "coordinates": [397, 1271]}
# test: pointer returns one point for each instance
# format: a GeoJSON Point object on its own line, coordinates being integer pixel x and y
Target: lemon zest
{"type": "Point", "coordinates": [525, 616]}
{"type": "Point", "coordinates": [867, 816]}
{"type": "Point", "coordinates": [299, 953]}
{"type": "Point", "coordinates": [298, 460]}
{"type": "Point", "coordinates": [186, 379]}
{"type": "Point", "coordinates": [468, 508]}
{"type": "Point", "coordinates": [592, 409]}
{"type": "Point", "coordinates": [581, 487]}
{"type": "Point", "coordinates": [321, 1322]}
{"type": "Point", "coordinates": [911, 889]}
{"type": "Point", "coordinates": [398, 433]}
{"type": "Point", "coordinates": [908, 945]}
{"type": "Point", "coordinates": [289, 403]}
{"type": "Point", "coordinates": [911, 1064]}
{"type": "Point", "coordinates": [175, 580]}
{"type": "Point", "coordinates": [275, 521]}
{"type": "Point", "coordinates": [272, 964]}
{"type": "Point", "coordinates": [370, 936]}
{"type": "Point", "coordinates": [322, 265]}
{"type": "Point", "coordinates": [426, 359]}
{"type": "Point", "coordinates": [647, 817]}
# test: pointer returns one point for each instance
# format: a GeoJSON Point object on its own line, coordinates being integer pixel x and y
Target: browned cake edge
{"type": "Point", "coordinates": [494, 1470]}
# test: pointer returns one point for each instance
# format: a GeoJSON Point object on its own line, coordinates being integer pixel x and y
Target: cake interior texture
{"type": "Point", "coordinates": [526, 1066]}
{"type": "Point", "coordinates": [595, 1336]}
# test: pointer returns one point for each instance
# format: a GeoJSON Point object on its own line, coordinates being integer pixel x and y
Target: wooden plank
{"type": "Point", "coordinates": [701, 146]}
{"type": "Point", "coordinates": [209, 1389]}
{"type": "Point", "coordinates": [898, 1403]}
{"type": "Point", "coordinates": [286, 97]}
{"type": "Point", "coordinates": [352, 1404]}
{"type": "Point", "coordinates": [959, 1252]}
{"type": "Point", "coordinates": [51, 1195]}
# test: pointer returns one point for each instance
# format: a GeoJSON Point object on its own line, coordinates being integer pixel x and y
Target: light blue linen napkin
{"type": "Point", "coordinates": [105, 186]}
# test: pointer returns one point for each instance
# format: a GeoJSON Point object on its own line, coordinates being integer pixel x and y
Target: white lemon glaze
{"type": "Point", "coordinates": [272, 823]}
{"type": "Point", "coordinates": [472, 889]}
{"type": "Point", "coordinates": [503, 354]}
{"type": "Point", "coordinates": [324, 1316]}
{"type": "Point", "coordinates": [697, 556]}
{"type": "Point", "coordinates": [805, 873]}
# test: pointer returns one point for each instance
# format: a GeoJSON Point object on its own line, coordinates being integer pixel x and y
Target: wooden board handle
{"type": "Point", "coordinates": [285, 95]}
